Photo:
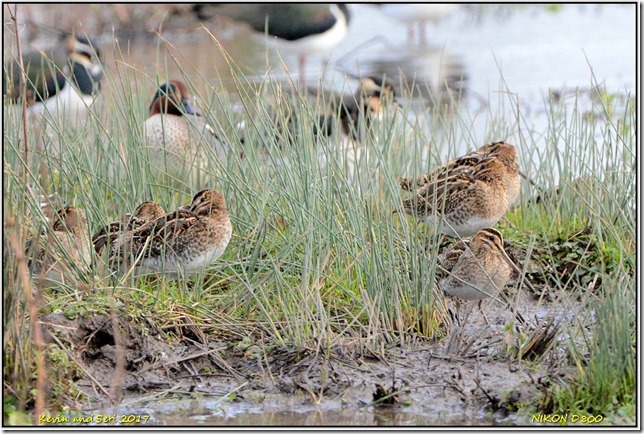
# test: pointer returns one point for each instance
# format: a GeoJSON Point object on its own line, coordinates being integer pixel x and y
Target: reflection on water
{"type": "Point", "coordinates": [529, 48]}
{"type": "Point", "coordinates": [221, 50]}
{"type": "Point", "coordinates": [322, 417]}
{"type": "Point", "coordinates": [292, 412]}
{"type": "Point", "coordinates": [489, 65]}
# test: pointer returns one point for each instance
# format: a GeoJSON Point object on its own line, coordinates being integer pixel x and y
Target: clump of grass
{"type": "Point", "coordinates": [605, 379]}
{"type": "Point", "coordinates": [582, 222]}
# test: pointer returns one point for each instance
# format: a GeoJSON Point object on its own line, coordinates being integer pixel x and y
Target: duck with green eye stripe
{"type": "Point", "coordinates": [178, 137]}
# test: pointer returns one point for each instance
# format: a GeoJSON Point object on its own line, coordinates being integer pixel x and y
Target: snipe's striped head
{"type": "Point", "coordinates": [488, 240]}
{"type": "Point", "coordinates": [149, 211]}
{"type": "Point", "coordinates": [207, 202]}
{"type": "Point", "coordinates": [504, 152]}
{"type": "Point", "coordinates": [69, 219]}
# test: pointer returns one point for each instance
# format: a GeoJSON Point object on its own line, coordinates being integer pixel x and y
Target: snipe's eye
{"type": "Point", "coordinates": [494, 238]}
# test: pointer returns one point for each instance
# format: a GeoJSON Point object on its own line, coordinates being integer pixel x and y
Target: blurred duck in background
{"type": "Point", "coordinates": [297, 28]}
{"type": "Point", "coordinates": [60, 81]}
{"type": "Point", "coordinates": [349, 115]}
{"type": "Point", "coordinates": [355, 113]}
{"type": "Point", "coordinates": [418, 14]}
{"type": "Point", "coordinates": [359, 128]}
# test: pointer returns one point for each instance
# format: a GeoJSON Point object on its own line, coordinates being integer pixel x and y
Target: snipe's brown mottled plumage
{"type": "Point", "coordinates": [478, 269]}
{"type": "Point", "coordinates": [181, 243]}
{"type": "Point", "coordinates": [469, 193]}
{"type": "Point", "coordinates": [63, 250]}
{"type": "Point", "coordinates": [144, 213]}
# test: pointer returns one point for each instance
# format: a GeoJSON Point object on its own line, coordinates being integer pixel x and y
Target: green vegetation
{"type": "Point", "coordinates": [317, 258]}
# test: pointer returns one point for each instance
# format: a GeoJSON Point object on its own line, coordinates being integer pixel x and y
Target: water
{"type": "Point", "coordinates": [512, 56]}
{"type": "Point", "coordinates": [299, 411]}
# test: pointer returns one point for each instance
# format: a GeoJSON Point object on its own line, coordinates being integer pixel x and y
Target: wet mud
{"type": "Point", "coordinates": [487, 367]}
{"type": "Point", "coordinates": [191, 376]}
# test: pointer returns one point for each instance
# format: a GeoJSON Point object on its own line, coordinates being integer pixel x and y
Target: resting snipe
{"type": "Point", "coordinates": [181, 243]}
{"type": "Point", "coordinates": [146, 212]}
{"type": "Point", "coordinates": [60, 253]}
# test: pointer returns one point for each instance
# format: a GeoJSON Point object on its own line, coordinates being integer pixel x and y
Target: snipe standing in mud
{"type": "Point", "coordinates": [64, 250]}
{"type": "Point", "coordinates": [181, 243]}
{"type": "Point", "coordinates": [469, 193]}
{"type": "Point", "coordinates": [479, 269]}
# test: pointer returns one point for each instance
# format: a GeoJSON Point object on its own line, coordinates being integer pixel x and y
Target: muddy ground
{"type": "Point", "coordinates": [472, 376]}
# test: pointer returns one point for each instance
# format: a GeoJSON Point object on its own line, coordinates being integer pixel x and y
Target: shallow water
{"type": "Point", "coordinates": [298, 409]}
{"type": "Point", "coordinates": [530, 49]}
{"type": "Point", "coordinates": [295, 411]}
